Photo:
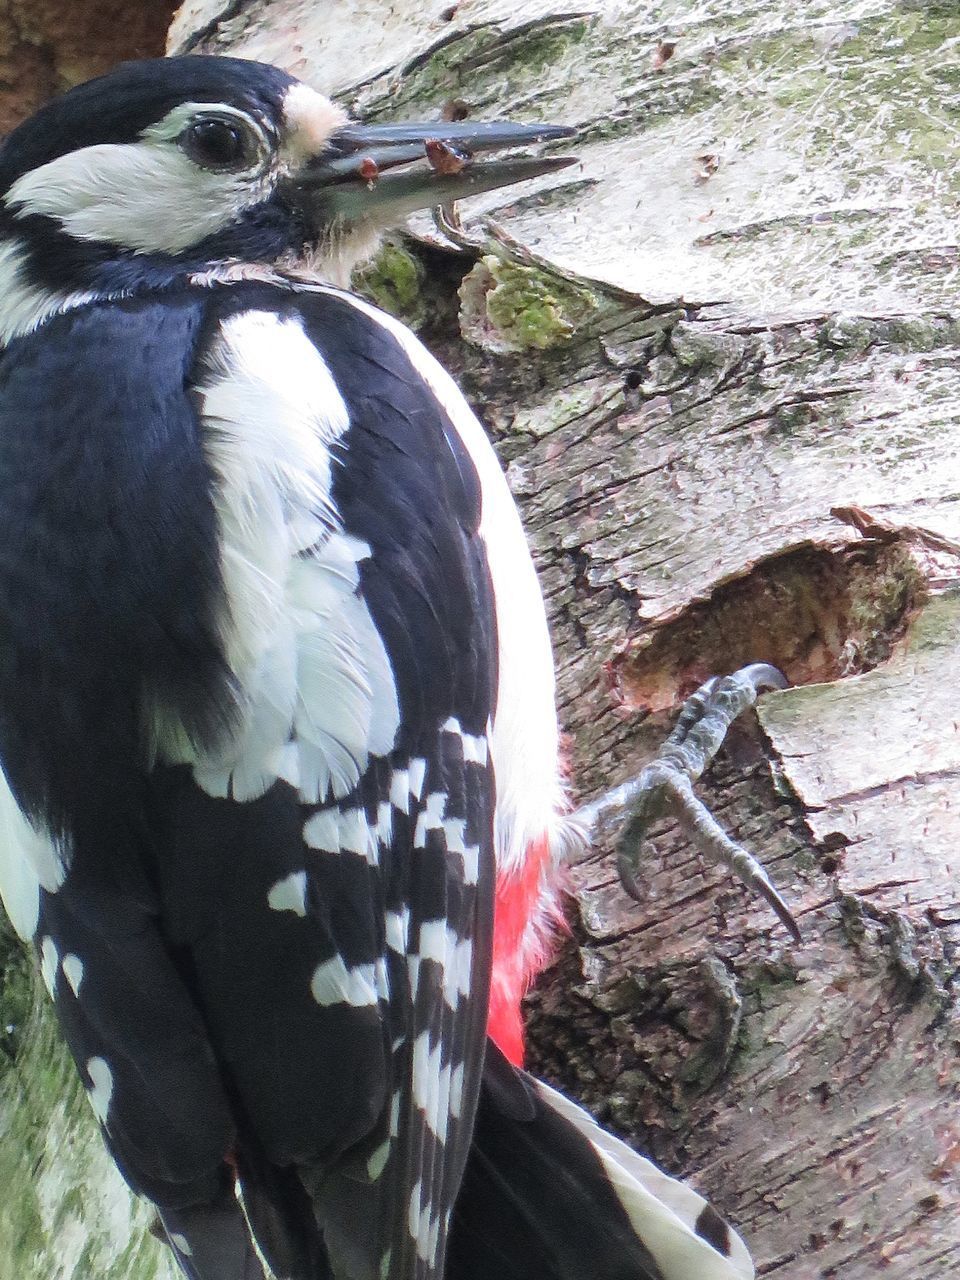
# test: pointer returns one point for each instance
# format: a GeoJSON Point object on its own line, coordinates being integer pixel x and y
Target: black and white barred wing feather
{"type": "Point", "coordinates": [363, 664]}
{"type": "Point", "coordinates": [285, 941]}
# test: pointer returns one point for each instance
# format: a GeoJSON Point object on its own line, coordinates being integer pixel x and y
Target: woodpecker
{"type": "Point", "coordinates": [280, 791]}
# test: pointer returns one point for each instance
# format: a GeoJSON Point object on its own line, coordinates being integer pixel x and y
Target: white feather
{"type": "Point", "coordinates": [101, 1087]}
{"type": "Point", "coordinates": [356, 835]}
{"type": "Point", "coordinates": [663, 1210]}
{"type": "Point", "coordinates": [456, 1090]}
{"type": "Point", "coordinates": [49, 964]}
{"type": "Point", "coordinates": [347, 707]}
{"type": "Point", "coordinates": [321, 831]}
{"type": "Point", "coordinates": [334, 983]}
{"type": "Point", "coordinates": [417, 771]}
{"type": "Point", "coordinates": [398, 930]}
{"type": "Point", "coordinates": [73, 972]}
{"type": "Point", "coordinates": [318, 695]}
{"type": "Point", "coordinates": [30, 860]}
{"type": "Point", "coordinates": [288, 894]}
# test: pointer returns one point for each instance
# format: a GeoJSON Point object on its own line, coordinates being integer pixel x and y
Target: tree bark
{"type": "Point", "coordinates": [47, 46]}
{"type": "Point", "coordinates": [720, 362]}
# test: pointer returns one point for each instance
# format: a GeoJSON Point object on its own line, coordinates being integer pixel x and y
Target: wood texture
{"type": "Point", "coordinates": [47, 46]}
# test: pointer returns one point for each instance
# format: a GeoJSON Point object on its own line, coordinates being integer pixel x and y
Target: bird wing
{"type": "Point", "coordinates": [107, 536]}
{"type": "Point", "coordinates": [303, 872]}
{"type": "Point", "coordinates": [361, 646]}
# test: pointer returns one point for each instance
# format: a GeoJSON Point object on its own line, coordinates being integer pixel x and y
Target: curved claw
{"type": "Point", "coordinates": [763, 676]}
{"type": "Point", "coordinates": [779, 908]}
{"type": "Point", "coordinates": [665, 787]}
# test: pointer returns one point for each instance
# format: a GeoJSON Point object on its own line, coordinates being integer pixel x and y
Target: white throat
{"type": "Point", "coordinates": [25, 306]}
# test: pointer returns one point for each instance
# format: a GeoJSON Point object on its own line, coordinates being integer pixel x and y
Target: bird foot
{"type": "Point", "coordinates": [665, 788]}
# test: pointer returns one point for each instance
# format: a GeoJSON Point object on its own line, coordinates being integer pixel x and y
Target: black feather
{"type": "Point", "coordinates": [195, 993]}
{"type": "Point", "coordinates": [536, 1202]}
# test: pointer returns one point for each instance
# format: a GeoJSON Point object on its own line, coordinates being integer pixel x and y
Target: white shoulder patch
{"type": "Point", "coordinates": [317, 688]}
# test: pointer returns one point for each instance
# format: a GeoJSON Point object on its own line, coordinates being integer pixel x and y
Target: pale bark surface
{"type": "Point", "coordinates": [721, 364]}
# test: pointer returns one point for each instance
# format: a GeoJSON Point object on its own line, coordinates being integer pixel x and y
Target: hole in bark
{"type": "Point", "coordinates": [831, 848]}
{"type": "Point", "coordinates": [63, 42]}
{"type": "Point", "coordinates": [454, 109]}
{"type": "Point", "coordinates": [833, 842]}
{"type": "Point", "coordinates": [815, 613]}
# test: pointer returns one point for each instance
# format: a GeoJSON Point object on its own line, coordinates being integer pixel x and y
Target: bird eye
{"type": "Point", "coordinates": [220, 144]}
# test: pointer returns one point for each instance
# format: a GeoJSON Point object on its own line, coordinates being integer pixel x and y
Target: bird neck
{"type": "Point", "coordinates": [43, 273]}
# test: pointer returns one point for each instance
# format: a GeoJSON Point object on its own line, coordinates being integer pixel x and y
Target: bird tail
{"type": "Point", "coordinates": [549, 1195]}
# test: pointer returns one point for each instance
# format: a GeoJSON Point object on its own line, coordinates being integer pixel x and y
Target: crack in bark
{"type": "Point", "coordinates": [912, 781]}
{"type": "Point", "coordinates": [208, 31]}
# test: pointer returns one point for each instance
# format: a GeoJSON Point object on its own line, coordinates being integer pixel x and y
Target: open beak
{"type": "Point", "coordinates": [382, 172]}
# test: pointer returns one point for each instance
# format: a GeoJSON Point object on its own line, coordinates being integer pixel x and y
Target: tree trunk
{"type": "Point", "coordinates": [720, 361]}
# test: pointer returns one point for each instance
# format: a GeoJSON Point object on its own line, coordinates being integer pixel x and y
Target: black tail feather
{"type": "Point", "coordinates": [281, 1217]}
{"type": "Point", "coordinates": [548, 1196]}
{"type": "Point", "coordinates": [211, 1241]}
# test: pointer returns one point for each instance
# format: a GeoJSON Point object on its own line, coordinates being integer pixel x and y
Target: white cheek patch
{"type": "Point", "coordinates": [317, 692]}
{"type": "Point", "coordinates": [147, 196]}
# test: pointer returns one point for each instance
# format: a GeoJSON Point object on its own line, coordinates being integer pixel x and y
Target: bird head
{"type": "Point", "coordinates": [181, 164]}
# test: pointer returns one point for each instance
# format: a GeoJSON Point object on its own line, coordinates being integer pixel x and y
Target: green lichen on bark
{"type": "Point", "coordinates": [475, 63]}
{"type": "Point", "coordinates": [507, 306]}
{"type": "Point", "coordinates": [393, 281]}
{"type": "Point", "coordinates": [16, 996]}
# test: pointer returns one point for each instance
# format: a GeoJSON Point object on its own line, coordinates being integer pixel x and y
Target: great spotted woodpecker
{"type": "Point", "coordinates": [280, 789]}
